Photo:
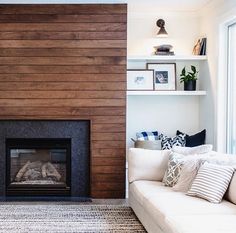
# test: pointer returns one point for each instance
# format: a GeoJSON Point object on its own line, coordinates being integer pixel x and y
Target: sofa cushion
{"type": "Point", "coordinates": [203, 223]}
{"type": "Point", "coordinates": [231, 193]}
{"type": "Point", "coordinates": [147, 164]}
{"type": "Point", "coordinates": [163, 204]}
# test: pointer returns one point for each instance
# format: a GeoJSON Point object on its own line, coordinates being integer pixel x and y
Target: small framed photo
{"type": "Point", "coordinates": [164, 76]}
{"type": "Point", "coordinates": [141, 80]}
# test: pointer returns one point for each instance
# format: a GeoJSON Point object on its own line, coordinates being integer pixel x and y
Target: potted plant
{"type": "Point", "coordinates": [189, 78]}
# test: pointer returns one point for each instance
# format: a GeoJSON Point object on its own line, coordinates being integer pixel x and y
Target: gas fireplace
{"type": "Point", "coordinates": [38, 166]}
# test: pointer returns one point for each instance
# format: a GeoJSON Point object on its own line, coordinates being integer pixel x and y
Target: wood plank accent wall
{"type": "Point", "coordinates": [69, 62]}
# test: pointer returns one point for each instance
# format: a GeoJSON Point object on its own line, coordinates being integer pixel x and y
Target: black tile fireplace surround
{"type": "Point", "coordinates": [77, 132]}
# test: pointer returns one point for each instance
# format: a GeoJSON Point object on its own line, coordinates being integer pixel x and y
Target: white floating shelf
{"type": "Point", "coordinates": [168, 58]}
{"type": "Point", "coordinates": [180, 93]}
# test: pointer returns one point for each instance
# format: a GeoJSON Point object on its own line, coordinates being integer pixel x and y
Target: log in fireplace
{"type": "Point", "coordinates": [38, 166]}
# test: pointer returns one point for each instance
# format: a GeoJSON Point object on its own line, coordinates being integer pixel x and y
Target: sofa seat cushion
{"type": "Point", "coordinates": [144, 189]}
{"type": "Point", "coordinates": [164, 205]}
{"type": "Point", "coordinates": [203, 223]}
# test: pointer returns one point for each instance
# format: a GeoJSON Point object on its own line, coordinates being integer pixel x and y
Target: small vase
{"type": "Point", "coordinates": [190, 85]}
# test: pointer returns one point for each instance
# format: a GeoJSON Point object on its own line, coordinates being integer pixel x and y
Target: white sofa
{"type": "Point", "coordinates": [162, 210]}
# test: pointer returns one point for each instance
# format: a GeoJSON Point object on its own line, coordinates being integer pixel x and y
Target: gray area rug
{"type": "Point", "coordinates": [67, 218]}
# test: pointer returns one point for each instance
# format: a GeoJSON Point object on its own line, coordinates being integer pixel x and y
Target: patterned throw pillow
{"type": "Point", "coordinates": [167, 143]}
{"type": "Point", "coordinates": [173, 169]}
{"type": "Point", "coordinates": [211, 182]}
{"type": "Point", "coordinates": [188, 173]}
{"type": "Point", "coordinates": [148, 136]}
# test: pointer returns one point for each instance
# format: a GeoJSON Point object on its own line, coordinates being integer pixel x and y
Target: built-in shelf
{"type": "Point", "coordinates": [168, 58]}
{"type": "Point", "coordinates": [152, 93]}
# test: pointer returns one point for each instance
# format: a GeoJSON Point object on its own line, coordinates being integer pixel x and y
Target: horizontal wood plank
{"type": "Point", "coordinates": [63, 77]}
{"type": "Point", "coordinates": [109, 177]}
{"type": "Point", "coordinates": [109, 152]}
{"type": "Point", "coordinates": [107, 169]}
{"type": "Point", "coordinates": [115, 161]}
{"type": "Point", "coordinates": [92, 60]}
{"type": "Point", "coordinates": [88, 9]}
{"type": "Point", "coordinates": [62, 102]}
{"type": "Point", "coordinates": [63, 86]}
{"type": "Point", "coordinates": [32, 94]}
{"type": "Point", "coordinates": [108, 194]}
{"type": "Point", "coordinates": [108, 128]}
{"type": "Point", "coordinates": [42, 35]}
{"type": "Point", "coordinates": [108, 144]}
{"type": "Point", "coordinates": [107, 136]}
{"type": "Point", "coordinates": [62, 43]}
{"type": "Point", "coordinates": [63, 18]}
{"type": "Point", "coordinates": [62, 52]}
{"type": "Point", "coordinates": [64, 27]}
{"type": "Point", "coordinates": [85, 69]}
{"type": "Point", "coordinates": [66, 112]}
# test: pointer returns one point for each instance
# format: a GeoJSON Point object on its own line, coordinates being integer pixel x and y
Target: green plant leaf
{"type": "Point", "coordinates": [183, 73]}
{"type": "Point", "coordinates": [193, 68]}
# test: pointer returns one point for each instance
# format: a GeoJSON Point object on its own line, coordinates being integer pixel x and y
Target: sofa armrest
{"type": "Point", "coordinates": [147, 164]}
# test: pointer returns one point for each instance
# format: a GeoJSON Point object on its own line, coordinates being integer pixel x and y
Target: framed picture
{"type": "Point", "coordinates": [164, 76]}
{"type": "Point", "coordinates": [140, 80]}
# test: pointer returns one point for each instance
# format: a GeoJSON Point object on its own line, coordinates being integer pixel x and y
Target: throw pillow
{"type": "Point", "coordinates": [211, 182]}
{"type": "Point", "coordinates": [167, 143]}
{"type": "Point", "coordinates": [187, 175]}
{"type": "Point", "coordinates": [194, 140]}
{"type": "Point", "coordinates": [173, 169]}
{"type": "Point", "coordinates": [192, 150]}
{"type": "Point", "coordinates": [145, 136]}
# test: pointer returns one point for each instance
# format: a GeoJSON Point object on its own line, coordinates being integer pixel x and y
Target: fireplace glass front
{"type": "Point", "coordinates": [38, 166]}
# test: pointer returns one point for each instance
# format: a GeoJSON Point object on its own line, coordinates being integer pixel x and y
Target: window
{"type": "Point", "coordinates": [231, 103]}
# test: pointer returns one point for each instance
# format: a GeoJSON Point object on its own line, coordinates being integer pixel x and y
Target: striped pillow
{"type": "Point", "coordinates": [211, 182]}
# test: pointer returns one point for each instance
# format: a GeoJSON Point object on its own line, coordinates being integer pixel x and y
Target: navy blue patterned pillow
{"type": "Point", "coordinates": [167, 143]}
{"type": "Point", "coordinates": [148, 136]}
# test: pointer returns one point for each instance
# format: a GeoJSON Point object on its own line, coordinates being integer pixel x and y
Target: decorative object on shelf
{"type": "Point", "coordinates": [200, 47]}
{"type": "Point", "coordinates": [189, 78]}
{"type": "Point", "coordinates": [164, 49]}
{"type": "Point", "coordinates": [164, 76]}
{"type": "Point", "coordinates": [140, 80]}
{"type": "Point", "coordinates": [162, 31]}
{"type": "Point", "coordinates": [203, 46]}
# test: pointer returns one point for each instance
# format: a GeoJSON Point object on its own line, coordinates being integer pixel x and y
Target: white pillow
{"type": "Point", "coordinates": [147, 164]}
{"type": "Point", "coordinates": [192, 150]}
{"type": "Point", "coordinates": [211, 182]}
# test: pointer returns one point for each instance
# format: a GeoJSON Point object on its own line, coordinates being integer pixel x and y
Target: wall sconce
{"type": "Point", "coordinates": [162, 32]}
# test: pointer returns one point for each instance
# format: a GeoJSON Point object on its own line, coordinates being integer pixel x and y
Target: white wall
{"type": "Point", "coordinates": [213, 108]}
{"type": "Point", "coordinates": [163, 113]}
{"type": "Point", "coordinates": [182, 27]}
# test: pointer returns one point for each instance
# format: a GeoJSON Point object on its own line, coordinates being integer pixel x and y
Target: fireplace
{"type": "Point", "coordinates": [45, 158]}
{"type": "Point", "coordinates": [38, 166]}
